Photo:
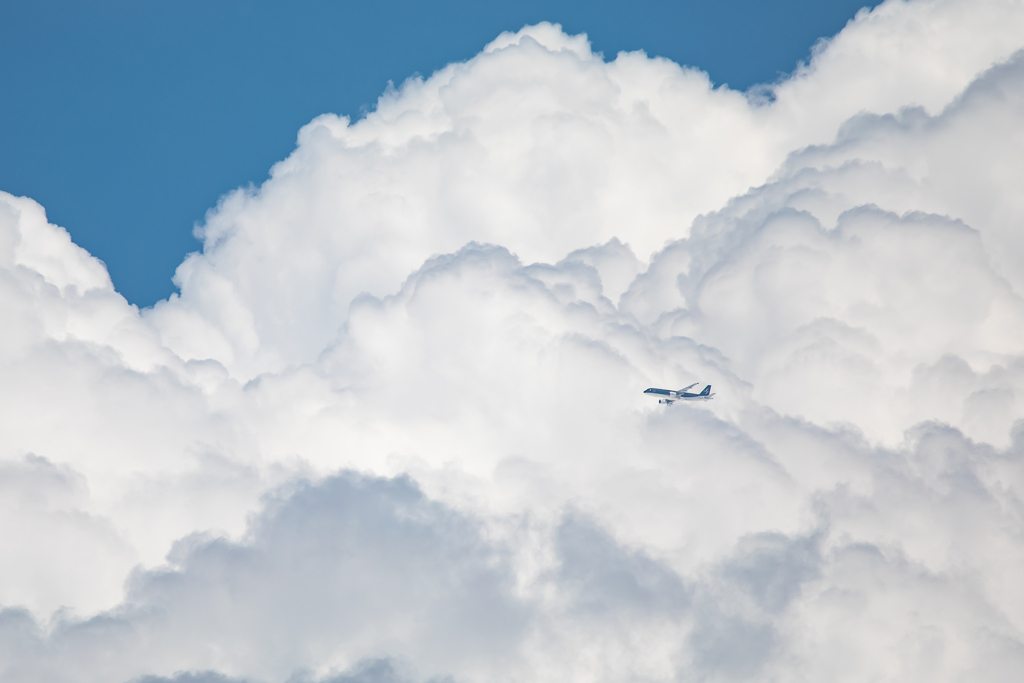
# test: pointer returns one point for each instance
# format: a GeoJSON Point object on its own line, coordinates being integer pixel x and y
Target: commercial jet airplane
{"type": "Point", "coordinates": [671, 397]}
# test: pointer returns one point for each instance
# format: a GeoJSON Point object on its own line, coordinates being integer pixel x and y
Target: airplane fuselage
{"type": "Point", "coordinates": [669, 396]}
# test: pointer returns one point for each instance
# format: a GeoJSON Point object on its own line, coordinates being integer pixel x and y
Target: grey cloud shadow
{"type": "Point", "coordinates": [769, 570]}
{"type": "Point", "coordinates": [602, 576]}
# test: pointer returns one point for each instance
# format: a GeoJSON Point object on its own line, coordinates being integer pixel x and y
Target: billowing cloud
{"type": "Point", "coordinates": [541, 146]}
{"type": "Point", "coordinates": [392, 428]}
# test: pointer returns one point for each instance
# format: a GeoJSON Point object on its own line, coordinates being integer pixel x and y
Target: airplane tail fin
{"type": "Point", "coordinates": [707, 390]}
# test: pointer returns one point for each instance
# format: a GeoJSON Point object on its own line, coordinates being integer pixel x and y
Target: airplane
{"type": "Point", "coordinates": [681, 395]}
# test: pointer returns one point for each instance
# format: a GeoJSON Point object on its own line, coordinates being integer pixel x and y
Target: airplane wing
{"type": "Point", "coordinates": [688, 388]}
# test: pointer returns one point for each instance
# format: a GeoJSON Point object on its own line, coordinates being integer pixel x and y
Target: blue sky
{"type": "Point", "coordinates": [127, 120]}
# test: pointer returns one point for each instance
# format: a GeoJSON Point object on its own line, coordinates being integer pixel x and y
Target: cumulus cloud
{"type": "Point", "coordinates": [541, 146]}
{"type": "Point", "coordinates": [392, 427]}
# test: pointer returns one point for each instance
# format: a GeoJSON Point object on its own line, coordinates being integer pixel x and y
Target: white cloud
{"type": "Point", "coordinates": [393, 429]}
{"type": "Point", "coordinates": [540, 146]}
